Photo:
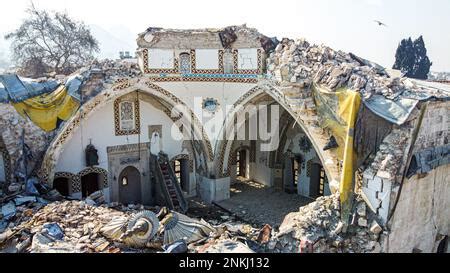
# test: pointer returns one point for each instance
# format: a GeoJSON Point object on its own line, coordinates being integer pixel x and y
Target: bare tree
{"type": "Point", "coordinates": [47, 42]}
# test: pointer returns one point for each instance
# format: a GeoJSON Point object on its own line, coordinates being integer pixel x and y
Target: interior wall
{"type": "Point", "coordinates": [294, 134]}
{"type": "Point", "coordinates": [99, 130]}
{"type": "Point", "coordinates": [193, 93]}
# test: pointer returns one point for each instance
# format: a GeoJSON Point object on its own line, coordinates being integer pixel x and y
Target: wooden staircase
{"type": "Point", "coordinates": [170, 186]}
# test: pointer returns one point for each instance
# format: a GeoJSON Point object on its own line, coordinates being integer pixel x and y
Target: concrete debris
{"type": "Point", "coordinates": [96, 198]}
{"type": "Point", "coordinates": [299, 63]}
{"type": "Point", "coordinates": [375, 228]}
{"type": "Point", "coordinates": [228, 246]}
{"type": "Point", "coordinates": [362, 222]}
{"type": "Point", "coordinates": [361, 209]}
{"type": "Point", "coordinates": [316, 228]}
{"type": "Point", "coordinates": [78, 227]}
{"type": "Point", "coordinates": [8, 210]}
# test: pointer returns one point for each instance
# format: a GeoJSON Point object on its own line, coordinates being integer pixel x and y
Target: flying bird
{"type": "Point", "coordinates": [380, 23]}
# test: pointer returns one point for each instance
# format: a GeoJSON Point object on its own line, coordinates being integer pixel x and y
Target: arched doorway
{"type": "Point", "coordinates": [296, 171]}
{"type": "Point", "coordinates": [130, 186]}
{"type": "Point", "coordinates": [241, 164]}
{"type": "Point", "coordinates": [318, 181]}
{"type": "Point", "coordinates": [181, 170]}
{"type": "Point", "coordinates": [90, 184]}
{"type": "Point", "coordinates": [62, 185]}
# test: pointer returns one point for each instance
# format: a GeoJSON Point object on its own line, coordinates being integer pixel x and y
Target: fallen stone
{"type": "Point", "coordinates": [375, 228]}
{"type": "Point", "coordinates": [362, 222]}
{"type": "Point", "coordinates": [361, 209]}
{"type": "Point", "coordinates": [228, 246]}
{"type": "Point", "coordinates": [8, 210]}
{"type": "Point", "coordinates": [102, 247]}
{"type": "Point", "coordinates": [43, 244]}
{"type": "Point", "coordinates": [339, 228]}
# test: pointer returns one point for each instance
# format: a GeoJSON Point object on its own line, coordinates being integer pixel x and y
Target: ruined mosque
{"type": "Point", "coordinates": [347, 127]}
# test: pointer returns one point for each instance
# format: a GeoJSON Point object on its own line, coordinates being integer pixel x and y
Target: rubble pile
{"type": "Point", "coordinates": [32, 224]}
{"type": "Point", "coordinates": [113, 70]}
{"type": "Point", "coordinates": [316, 228]}
{"type": "Point", "coordinates": [62, 226]}
{"type": "Point", "coordinates": [93, 79]}
{"type": "Point", "coordinates": [301, 63]}
{"type": "Point", "coordinates": [14, 127]}
{"type": "Point", "coordinates": [390, 156]}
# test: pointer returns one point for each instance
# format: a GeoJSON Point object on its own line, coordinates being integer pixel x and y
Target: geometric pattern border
{"type": "Point", "coordinates": [247, 71]}
{"type": "Point", "coordinates": [137, 119]}
{"type": "Point", "coordinates": [158, 70]}
{"type": "Point", "coordinates": [206, 71]}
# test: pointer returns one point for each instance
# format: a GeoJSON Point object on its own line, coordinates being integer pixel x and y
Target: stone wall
{"type": "Point", "coordinates": [421, 218]}
{"type": "Point", "coordinates": [13, 127]}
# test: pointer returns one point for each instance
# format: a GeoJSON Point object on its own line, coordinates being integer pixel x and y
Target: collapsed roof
{"type": "Point", "coordinates": [297, 62]}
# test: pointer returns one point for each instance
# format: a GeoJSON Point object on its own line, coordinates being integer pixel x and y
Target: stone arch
{"type": "Point", "coordinates": [275, 157]}
{"type": "Point", "coordinates": [316, 136]}
{"type": "Point", "coordinates": [72, 180]}
{"type": "Point", "coordinates": [186, 157]}
{"type": "Point", "coordinates": [232, 159]}
{"type": "Point", "coordinates": [102, 179]}
{"type": "Point", "coordinates": [119, 89]}
{"type": "Point", "coordinates": [130, 191]}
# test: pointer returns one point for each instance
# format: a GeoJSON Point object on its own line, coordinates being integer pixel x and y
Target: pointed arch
{"type": "Point", "coordinates": [121, 88]}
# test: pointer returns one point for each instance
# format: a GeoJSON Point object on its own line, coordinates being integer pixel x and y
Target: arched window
{"type": "Point", "coordinates": [185, 63]}
{"type": "Point", "coordinates": [228, 62]}
{"type": "Point", "coordinates": [62, 185]}
{"type": "Point", "coordinates": [127, 116]}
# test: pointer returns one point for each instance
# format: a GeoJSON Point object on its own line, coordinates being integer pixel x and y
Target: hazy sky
{"type": "Point", "coordinates": [342, 24]}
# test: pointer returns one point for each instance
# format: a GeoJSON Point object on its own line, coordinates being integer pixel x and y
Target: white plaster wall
{"type": "Point", "coordinates": [423, 212]}
{"type": "Point", "coordinates": [99, 128]}
{"type": "Point", "coordinates": [193, 93]}
{"type": "Point", "coordinates": [207, 59]}
{"type": "Point", "coordinates": [248, 58]}
{"type": "Point", "coordinates": [214, 190]}
{"type": "Point", "coordinates": [160, 58]}
{"type": "Point", "coordinates": [262, 172]}
{"type": "Point", "coordinates": [2, 168]}
{"type": "Point", "coordinates": [303, 184]}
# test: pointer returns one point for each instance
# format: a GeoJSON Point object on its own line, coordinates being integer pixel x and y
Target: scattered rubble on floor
{"type": "Point", "coordinates": [317, 228]}
{"type": "Point", "coordinates": [33, 224]}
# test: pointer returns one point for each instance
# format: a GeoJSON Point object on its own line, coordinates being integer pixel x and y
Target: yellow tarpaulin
{"type": "Point", "coordinates": [339, 111]}
{"type": "Point", "coordinates": [45, 110]}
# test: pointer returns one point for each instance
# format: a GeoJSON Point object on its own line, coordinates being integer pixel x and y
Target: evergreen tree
{"type": "Point", "coordinates": [411, 58]}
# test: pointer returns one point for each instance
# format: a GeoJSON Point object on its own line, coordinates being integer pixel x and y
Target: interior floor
{"type": "Point", "coordinates": [262, 205]}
